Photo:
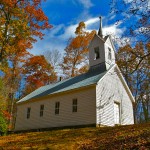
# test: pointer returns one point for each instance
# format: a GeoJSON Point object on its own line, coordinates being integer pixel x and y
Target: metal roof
{"type": "Point", "coordinates": [89, 78]}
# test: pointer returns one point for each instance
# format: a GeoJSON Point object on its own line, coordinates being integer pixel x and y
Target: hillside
{"type": "Point", "coordinates": [121, 137]}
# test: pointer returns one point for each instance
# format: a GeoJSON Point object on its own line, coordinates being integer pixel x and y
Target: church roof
{"type": "Point", "coordinates": [89, 78]}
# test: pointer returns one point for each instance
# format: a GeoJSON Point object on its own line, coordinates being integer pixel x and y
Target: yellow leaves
{"type": "Point", "coordinates": [80, 28]}
{"type": "Point", "coordinates": [125, 137]}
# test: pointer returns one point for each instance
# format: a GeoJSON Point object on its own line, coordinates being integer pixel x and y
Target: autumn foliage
{"type": "Point", "coordinates": [75, 60]}
{"type": "Point", "coordinates": [90, 138]}
{"type": "Point", "coordinates": [135, 67]}
{"type": "Point", "coordinates": [21, 21]}
{"type": "Point", "coordinates": [38, 73]}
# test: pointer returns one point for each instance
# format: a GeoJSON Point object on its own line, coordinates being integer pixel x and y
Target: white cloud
{"type": "Point", "coordinates": [69, 32]}
{"type": "Point", "coordinates": [128, 1]}
{"type": "Point", "coordinates": [86, 3]}
{"type": "Point", "coordinates": [113, 30]}
{"type": "Point", "coordinates": [91, 21]}
{"type": "Point", "coordinates": [58, 36]}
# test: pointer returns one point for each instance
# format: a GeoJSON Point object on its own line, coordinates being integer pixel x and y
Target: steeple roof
{"type": "Point", "coordinates": [100, 32]}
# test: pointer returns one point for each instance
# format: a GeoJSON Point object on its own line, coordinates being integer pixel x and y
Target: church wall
{"type": "Point", "coordinates": [107, 46]}
{"type": "Point", "coordinates": [86, 111]}
{"type": "Point", "coordinates": [109, 90]}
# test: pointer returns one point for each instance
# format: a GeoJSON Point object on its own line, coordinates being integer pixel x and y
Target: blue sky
{"type": "Point", "coordinates": [65, 15]}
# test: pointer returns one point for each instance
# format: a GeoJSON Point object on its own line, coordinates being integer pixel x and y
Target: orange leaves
{"type": "Point", "coordinates": [6, 114]}
{"type": "Point", "coordinates": [80, 29]}
{"type": "Point", "coordinates": [39, 72]}
{"type": "Point", "coordinates": [76, 52]}
{"type": "Point", "coordinates": [20, 22]}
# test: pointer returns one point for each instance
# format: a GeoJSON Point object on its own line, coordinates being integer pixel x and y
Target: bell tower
{"type": "Point", "coordinates": [101, 51]}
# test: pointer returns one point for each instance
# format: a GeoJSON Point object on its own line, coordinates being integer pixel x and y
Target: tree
{"type": "Point", "coordinates": [137, 75]}
{"type": "Point", "coordinates": [38, 73]}
{"type": "Point", "coordinates": [137, 17]}
{"type": "Point", "coordinates": [21, 21]}
{"type": "Point", "coordinates": [137, 10]}
{"type": "Point", "coordinates": [4, 115]}
{"type": "Point", "coordinates": [75, 60]}
{"type": "Point", "coordinates": [54, 58]}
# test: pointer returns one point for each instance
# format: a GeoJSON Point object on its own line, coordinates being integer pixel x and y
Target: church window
{"type": "Point", "coordinates": [74, 105]}
{"type": "Point", "coordinates": [97, 53]}
{"type": "Point", "coordinates": [109, 53]}
{"type": "Point", "coordinates": [57, 105]}
{"type": "Point", "coordinates": [28, 112]}
{"type": "Point", "coordinates": [41, 110]}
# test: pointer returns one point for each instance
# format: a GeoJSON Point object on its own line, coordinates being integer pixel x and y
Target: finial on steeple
{"type": "Point", "coordinates": [100, 33]}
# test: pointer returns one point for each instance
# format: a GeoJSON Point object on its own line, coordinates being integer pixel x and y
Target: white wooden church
{"type": "Point", "coordinates": [99, 97]}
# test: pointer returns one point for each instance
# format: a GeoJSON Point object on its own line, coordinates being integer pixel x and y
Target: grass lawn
{"type": "Point", "coordinates": [107, 138]}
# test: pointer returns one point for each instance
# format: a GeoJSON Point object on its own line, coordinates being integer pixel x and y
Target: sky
{"type": "Point", "coordinates": [65, 15]}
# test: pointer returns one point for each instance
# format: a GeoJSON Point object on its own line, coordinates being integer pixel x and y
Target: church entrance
{"type": "Point", "coordinates": [116, 113]}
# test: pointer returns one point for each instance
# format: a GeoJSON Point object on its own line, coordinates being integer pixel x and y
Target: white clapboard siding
{"type": "Point", "coordinates": [110, 90]}
{"type": "Point", "coordinates": [108, 45]}
{"type": "Point", "coordinates": [86, 111]}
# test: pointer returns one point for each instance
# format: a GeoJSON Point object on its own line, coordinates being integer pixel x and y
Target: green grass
{"type": "Point", "coordinates": [112, 138]}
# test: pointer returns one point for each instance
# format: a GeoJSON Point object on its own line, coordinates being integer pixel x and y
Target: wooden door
{"type": "Point", "coordinates": [116, 113]}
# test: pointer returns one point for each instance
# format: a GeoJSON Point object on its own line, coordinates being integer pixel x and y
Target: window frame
{"type": "Point", "coordinates": [109, 53]}
{"type": "Point", "coordinates": [28, 112]}
{"type": "Point", "coordinates": [74, 105]}
{"type": "Point", "coordinates": [96, 53]}
{"type": "Point", "coordinates": [41, 110]}
{"type": "Point", "coordinates": [57, 107]}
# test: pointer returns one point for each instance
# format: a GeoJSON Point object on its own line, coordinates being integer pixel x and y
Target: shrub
{"type": "Point", "coordinates": [3, 125]}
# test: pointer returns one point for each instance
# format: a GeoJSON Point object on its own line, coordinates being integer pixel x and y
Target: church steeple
{"type": "Point", "coordinates": [101, 51]}
{"type": "Point", "coordinates": [100, 32]}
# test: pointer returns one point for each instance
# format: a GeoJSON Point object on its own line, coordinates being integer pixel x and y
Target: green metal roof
{"type": "Point", "coordinates": [89, 78]}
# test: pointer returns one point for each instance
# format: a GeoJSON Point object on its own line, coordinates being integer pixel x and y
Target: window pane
{"type": "Point", "coordinates": [74, 101]}
{"type": "Point", "coordinates": [109, 53]}
{"type": "Point", "coordinates": [97, 53]}
{"type": "Point", "coordinates": [41, 110]}
{"type": "Point", "coordinates": [41, 113]}
{"type": "Point", "coordinates": [28, 112]}
{"type": "Point", "coordinates": [42, 107]}
{"type": "Point", "coordinates": [74, 105]}
{"type": "Point", "coordinates": [57, 104]}
{"type": "Point", "coordinates": [74, 109]}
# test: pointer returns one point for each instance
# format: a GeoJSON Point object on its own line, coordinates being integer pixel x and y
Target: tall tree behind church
{"type": "Point", "coordinates": [137, 76]}
{"type": "Point", "coordinates": [136, 16]}
{"type": "Point", "coordinates": [75, 60]}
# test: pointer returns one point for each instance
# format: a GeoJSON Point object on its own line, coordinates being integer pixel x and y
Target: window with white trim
{"type": "Point", "coordinates": [41, 110]}
{"type": "Point", "coordinates": [74, 105]}
{"type": "Point", "coordinates": [57, 105]}
{"type": "Point", "coordinates": [28, 112]}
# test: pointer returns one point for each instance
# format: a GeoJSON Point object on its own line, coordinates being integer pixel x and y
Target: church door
{"type": "Point", "coordinates": [116, 113]}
